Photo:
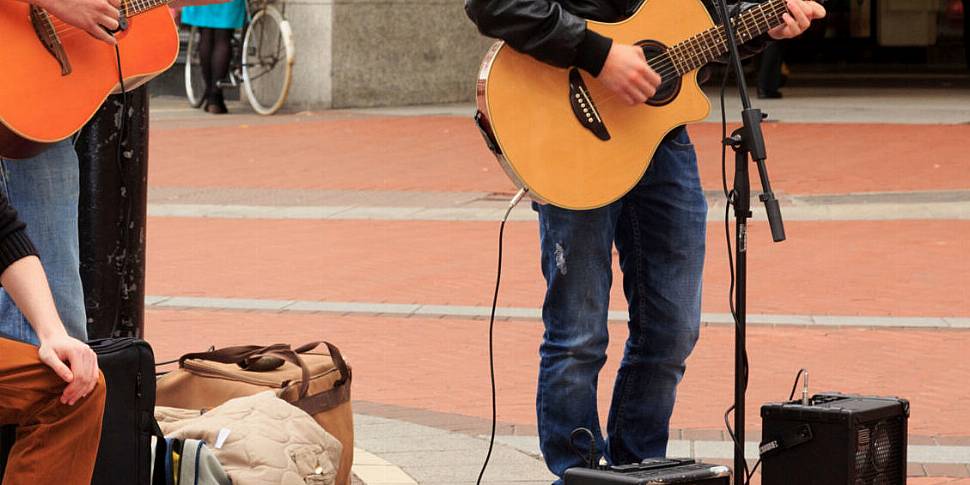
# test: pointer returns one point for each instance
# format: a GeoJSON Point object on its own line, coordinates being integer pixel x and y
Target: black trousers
{"type": "Point", "coordinates": [769, 74]}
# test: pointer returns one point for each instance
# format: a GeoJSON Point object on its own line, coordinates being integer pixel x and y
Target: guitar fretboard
{"type": "Point", "coordinates": [135, 7]}
{"type": "Point", "coordinates": [711, 44]}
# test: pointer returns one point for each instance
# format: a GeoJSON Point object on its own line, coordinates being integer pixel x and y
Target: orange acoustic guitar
{"type": "Point", "coordinates": [571, 141]}
{"type": "Point", "coordinates": [54, 77]}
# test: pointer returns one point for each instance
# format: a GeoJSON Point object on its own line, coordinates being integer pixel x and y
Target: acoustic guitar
{"type": "Point", "coordinates": [54, 77]}
{"type": "Point", "coordinates": [570, 140]}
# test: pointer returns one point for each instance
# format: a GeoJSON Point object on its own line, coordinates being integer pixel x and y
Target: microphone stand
{"type": "Point", "coordinates": [745, 141]}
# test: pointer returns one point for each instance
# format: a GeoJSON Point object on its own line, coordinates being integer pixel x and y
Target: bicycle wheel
{"type": "Point", "coordinates": [267, 64]}
{"type": "Point", "coordinates": [194, 84]}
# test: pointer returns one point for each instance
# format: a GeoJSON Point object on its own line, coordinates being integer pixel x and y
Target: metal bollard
{"type": "Point", "coordinates": [112, 214]}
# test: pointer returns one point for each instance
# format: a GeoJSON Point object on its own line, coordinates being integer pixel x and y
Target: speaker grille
{"type": "Point", "coordinates": [879, 453]}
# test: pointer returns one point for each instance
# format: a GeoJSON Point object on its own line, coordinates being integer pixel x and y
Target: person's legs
{"type": "Point", "coordinates": [45, 190]}
{"type": "Point", "coordinates": [215, 51]}
{"type": "Point", "coordinates": [56, 443]}
{"type": "Point", "coordinates": [769, 73]}
{"type": "Point", "coordinates": [660, 237]}
{"type": "Point", "coordinates": [206, 44]}
{"type": "Point", "coordinates": [221, 53]}
{"type": "Point", "coordinates": [576, 262]}
{"type": "Point", "coordinates": [966, 31]}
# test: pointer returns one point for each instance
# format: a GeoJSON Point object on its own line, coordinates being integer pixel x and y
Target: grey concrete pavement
{"type": "Point", "coordinates": [434, 456]}
{"type": "Point", "coordinates": [618, 314]}
{"type": "Point", "coordinates": [430, 455]}
{"type": "Point", "coordinates": [481, 206]}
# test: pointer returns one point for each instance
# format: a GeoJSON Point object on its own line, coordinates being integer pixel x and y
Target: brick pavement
{"type": "Point", "coordinates": [437, 366]}
{"type": "Point", "coordinates": [446, 153]}
{"type": "Point", "coordinates": [896, 268]}
{"type": "Point", "coordinates": [440, 365]}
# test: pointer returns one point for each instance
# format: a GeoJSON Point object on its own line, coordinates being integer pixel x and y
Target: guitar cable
{"type": "Point", "coordinates": [119, 161]}
{"type": "Point", "coordinates": [491, 328]}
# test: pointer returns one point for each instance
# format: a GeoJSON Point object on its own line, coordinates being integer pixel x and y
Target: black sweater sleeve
{"type": "Point", "coordinates": [14, 243]}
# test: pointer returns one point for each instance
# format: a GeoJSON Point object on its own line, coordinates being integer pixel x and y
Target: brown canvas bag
{"type": "Point", "coordinates": [314, 381]}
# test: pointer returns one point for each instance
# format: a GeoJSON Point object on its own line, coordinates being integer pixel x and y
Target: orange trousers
{"type": "Point", "coordinates": [56, 443]}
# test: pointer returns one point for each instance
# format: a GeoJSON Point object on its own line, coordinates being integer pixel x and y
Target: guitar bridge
{"type": "Point", "coordinates": [45, 31]}
{"type": "Point", "coordinates": [583, 106]}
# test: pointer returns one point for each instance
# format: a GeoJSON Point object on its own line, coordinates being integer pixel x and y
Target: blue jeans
{"type": "Point", "coordinates": [659, 231]}
{"type": "Point", "coordinates": [44, 190]}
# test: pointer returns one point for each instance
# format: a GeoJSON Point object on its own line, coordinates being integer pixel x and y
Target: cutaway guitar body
{"type": "Point", "coordinates": [567, 138]}
{"type": "Point", "coordinates": [53, 77]}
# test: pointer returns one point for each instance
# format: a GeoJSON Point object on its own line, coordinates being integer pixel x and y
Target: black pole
{"type": "Point", "coordinates": [745, 141]}
{"type": "Point", "coordinates": [112, 215]}
{"type": "Point", "coordinates": [742, 211]}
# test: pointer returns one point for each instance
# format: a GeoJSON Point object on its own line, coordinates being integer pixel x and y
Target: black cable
{"type": "Point", "coordinates": [794, 386]}
{"type": "Point", "coordinates": [491, 330]}
{"type": "Point", "coordinates": [590, 455]}
{"type": "Point", "coordinates": [790, 397]}
{"type": "Point", "coordinates": [730, 195]}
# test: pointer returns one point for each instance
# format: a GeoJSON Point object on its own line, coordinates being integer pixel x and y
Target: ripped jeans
{"type": "Point", "coordinates": [659, 231]}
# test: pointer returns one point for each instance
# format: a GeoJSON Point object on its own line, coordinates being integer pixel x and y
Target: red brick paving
{"type": "Point", "coordinates": [440, 364]}
{"type": "Point", "coordinates": [897, 268]}
{"type": "Point", "coordinates": [447, 154]}
{"type": "Point", "coordinates": [900, 268]}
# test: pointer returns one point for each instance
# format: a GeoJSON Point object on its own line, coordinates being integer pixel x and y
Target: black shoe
{"type": "Point", "coordinates": [215, 104]}
{"type": "Point", "coordinates": [769, 94]}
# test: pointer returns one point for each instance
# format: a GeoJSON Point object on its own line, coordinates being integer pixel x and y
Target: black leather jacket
{"type": "Point", "coordinates": [554, 31]}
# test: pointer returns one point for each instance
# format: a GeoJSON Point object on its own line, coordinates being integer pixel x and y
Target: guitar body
{"type": "Point", "coordinates": [40, 104]}
{"type": "Point", "coordinates": [542, 139]}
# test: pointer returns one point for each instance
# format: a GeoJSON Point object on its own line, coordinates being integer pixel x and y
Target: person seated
{"type": "Point", "coordinates": [53, 393]}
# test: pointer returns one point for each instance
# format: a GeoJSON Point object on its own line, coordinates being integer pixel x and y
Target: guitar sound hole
{"type": "Point", "coordinates": [670, 81]}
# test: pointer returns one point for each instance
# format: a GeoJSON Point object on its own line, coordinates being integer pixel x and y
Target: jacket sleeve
{"type": "Point", "coordinates": [543, 30]}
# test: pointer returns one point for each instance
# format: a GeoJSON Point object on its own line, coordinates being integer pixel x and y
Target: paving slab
{"type": "Point", "coordinates": [433, 456]}
{"type": "Point", "coordinates": [532, 314]}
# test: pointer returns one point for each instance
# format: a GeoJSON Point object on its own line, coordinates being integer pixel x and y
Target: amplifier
{"type": "Point", "coordinates": [835, 439]}
{"type": "Point", "coordinates": [652, 471]}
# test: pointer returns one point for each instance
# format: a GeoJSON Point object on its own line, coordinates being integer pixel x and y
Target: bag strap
{"type": "Point", "coordinates": [292, 357]}
{"type": "Point", "coordinates": [232, 355]}
{"type": "Point", "coordinates": [326, 400]}
{"type": "Point", "coordinates": [338, 359]}
{"type": "Point", "coordinates": [241, 353]}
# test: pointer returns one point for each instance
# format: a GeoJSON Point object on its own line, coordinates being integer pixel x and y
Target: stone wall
{"type": "Point", "coordinates": [366, 53]}
{"type": "Point", "coordinates": [403, 52]}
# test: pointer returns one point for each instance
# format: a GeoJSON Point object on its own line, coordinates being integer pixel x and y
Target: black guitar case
{"type": "Point", "coordinates": [124, 456]}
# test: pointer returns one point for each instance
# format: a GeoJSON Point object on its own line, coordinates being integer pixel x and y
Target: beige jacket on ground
{"type": "Point", "coordinates": [266, 440]}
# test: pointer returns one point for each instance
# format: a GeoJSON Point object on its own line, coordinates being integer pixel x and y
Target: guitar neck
{"type": "Point", "coordinates": [712, 43]}
{"type": "Point", "coordinates": [135, 7]}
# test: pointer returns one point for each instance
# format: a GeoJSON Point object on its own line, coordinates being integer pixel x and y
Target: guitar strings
{"type": "Point", "coordinates": [664, 65]}
{"type": "Point", "coordinates": [127, 7]}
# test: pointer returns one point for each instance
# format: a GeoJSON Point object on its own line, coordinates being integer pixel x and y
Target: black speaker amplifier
{"type": "Point", "coordinates": [836, 439]}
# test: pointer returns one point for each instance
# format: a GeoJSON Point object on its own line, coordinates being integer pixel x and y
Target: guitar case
{"type": "Point", "coordinates": [125, 455]}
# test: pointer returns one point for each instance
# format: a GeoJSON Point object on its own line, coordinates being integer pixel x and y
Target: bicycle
{"type": "Point", "coordinates": [262, 58]}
